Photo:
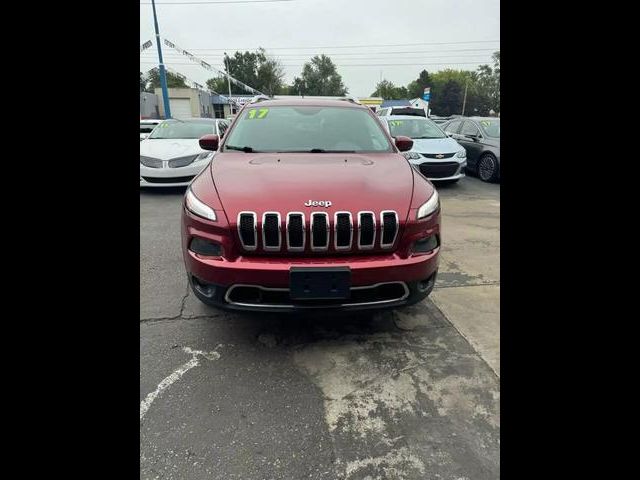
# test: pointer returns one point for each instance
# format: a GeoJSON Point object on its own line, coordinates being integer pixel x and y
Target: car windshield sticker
{"type": "Point", "coordinates": [395, 123]}
{"type": "Point", "coordinates": [485, 123]}
{"type": "Point", "coordinates": [261, 113]}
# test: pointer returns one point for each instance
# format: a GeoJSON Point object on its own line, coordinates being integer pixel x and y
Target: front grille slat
{"type": "Point", "coordinates": [151, 162]}
{"type": "Point", "coordinates": [182, 161]}
{"type": "Point", "coordinates": [388, 228]}
{"type": "Point", "coordinates": [343, 231]}
{"type": "Point", "coordinates": [271, 238]}
{"type": "Point", "coordinates": [295, 231]}
{"type": "Point", "coordinates": [366, 230]}
{"type": "Point", "coordinates": [319, 231]}
{"type": "Point", "coordinates": [247, 230]}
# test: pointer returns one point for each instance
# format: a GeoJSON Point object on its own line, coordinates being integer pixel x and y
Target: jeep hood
{"type": "Point", "coordinates": [285, 182]}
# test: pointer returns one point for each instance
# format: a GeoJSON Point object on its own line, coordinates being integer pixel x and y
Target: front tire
{"type": "Point", "coordinates": [488, 168]}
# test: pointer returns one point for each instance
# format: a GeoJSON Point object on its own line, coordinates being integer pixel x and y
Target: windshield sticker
{"type": "Point", "coordinates": [395, 123]}
{"type": "Point", "coordinates": [257, 113]}
{"type": "Point", "coordinates": [485, 123]}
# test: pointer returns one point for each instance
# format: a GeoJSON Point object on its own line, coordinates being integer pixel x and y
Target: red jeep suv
{"type": "Point", "coordinates": [308, 204]}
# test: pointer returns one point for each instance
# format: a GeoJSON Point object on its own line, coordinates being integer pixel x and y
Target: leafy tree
{"type": "Point", "coordinates": [270, 77]}
{"type": "Point", "coordinates": [489, 82]}
{"type": "Point", "coordinates": [254, 69]}
{"type": "Point", "coordinates": [450, 99]}
{"type": "Point", "coordinates": [416, 88]}
{"type": "Point", "coordinates": [173, 80]}
{"type": "Point", "coordinates": [389, 91]}
{"type": "Point", "coordinates": [319, 77]}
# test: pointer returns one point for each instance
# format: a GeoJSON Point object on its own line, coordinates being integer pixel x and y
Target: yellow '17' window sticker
{"type": "Point", "coordinates": [257, 113]}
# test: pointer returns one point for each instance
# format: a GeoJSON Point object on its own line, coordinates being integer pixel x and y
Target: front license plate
{"type": "Point", "coordinates": [316, 283]}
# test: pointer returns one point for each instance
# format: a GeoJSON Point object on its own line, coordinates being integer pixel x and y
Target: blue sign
{"type": "Point", "coordinates": [426, 97]}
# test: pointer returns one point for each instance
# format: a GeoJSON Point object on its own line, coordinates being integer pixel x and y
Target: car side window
{"type": "Point", "coordinates": [452, 127]}
{"type": "Point", "coordinates": [382, 112]}
{"type": "Point", "coordinates": [469, 128]}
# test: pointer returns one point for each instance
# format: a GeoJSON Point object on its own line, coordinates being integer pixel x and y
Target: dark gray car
{"type": "Point", "coordinates": [480, 136]}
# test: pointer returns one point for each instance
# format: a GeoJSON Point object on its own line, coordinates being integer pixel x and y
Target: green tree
{"type": "Point", "coordinates": [389, 91]}
{"type": "Point", "coordinates": [450, 99]}
{"type": "Point", "coordinates": [254, 69]}
{"type": "Point", "coordinates": [270, 77]}
{"type": "Point", "coordinates": [173, 80]}
{"type": "Point", "coordinates": [319, 77]}
{"type": "Point", "coordinates": [489, 83]}
{"type": "Point", "coordinates": [415, 89]}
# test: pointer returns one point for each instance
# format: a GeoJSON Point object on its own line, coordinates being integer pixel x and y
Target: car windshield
{"type": "Point", "coordinates": [415, 128]}
{"type": "Point", "coordinates": [175, 129]}
{"type": "Point", "coordinates": [307, 129]}
{"type": "Point", "coordinates": [491, 127]}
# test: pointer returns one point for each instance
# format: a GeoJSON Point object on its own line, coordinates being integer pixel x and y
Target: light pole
{"type": "Point", "coordinates": [464, 102]}
{"type": "Point", "coordinates": [228, 65]}
{"type": "Point", "coordinates": [163, 74]}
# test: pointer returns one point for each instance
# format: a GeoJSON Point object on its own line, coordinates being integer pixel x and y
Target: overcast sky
{"type": "Point", "coordinates": [369, 34]}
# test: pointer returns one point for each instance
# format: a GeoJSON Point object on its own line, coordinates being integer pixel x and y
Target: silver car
{"type": "Point", "coordinates": [171, 155]}
{"type": "Point", "coordinates": [437, 156]}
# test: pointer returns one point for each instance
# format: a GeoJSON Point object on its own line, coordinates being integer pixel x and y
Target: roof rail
{"type": "Point", "coordinates": [349, 98]}
{"type": "Point", "coordinates": [259, 98]}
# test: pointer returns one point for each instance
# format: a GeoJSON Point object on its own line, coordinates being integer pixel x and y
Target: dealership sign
{"type": "Point", "coordinates": [426, 96]}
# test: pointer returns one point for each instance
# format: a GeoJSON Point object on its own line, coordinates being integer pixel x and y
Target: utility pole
{"type": "Point", "coordinates": [464, 102]}
{"type": "Point", "coordinates": [228, 65]}
{"type": "Point", "coordinates": [163, 74]}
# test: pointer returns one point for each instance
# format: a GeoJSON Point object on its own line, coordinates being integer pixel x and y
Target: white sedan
{"type": "Point", "coordinates": [171, 155]}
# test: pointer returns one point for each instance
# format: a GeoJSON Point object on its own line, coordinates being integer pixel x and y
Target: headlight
{"type": "Point", "coordinates": [196, 207]}
{"type": "Point", "coordinates": [461, 154]}
{"type": "Point", "coordinates": [411, 155]}
{"type": "Point", "coordinates": [429, 206]}
{"type": "Point", "coordinates": [204, 155]}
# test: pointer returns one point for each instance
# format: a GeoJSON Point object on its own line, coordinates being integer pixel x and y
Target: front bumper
{"type": "Point", "coordinates": [213, 278]}
{"type": "Point", "coordinates": [408, 293]}
{"type": "Point", "coordinates": [170, 177]}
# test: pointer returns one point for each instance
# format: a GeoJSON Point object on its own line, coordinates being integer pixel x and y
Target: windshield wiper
{"type": "Point", "coordinates": [242, 149]}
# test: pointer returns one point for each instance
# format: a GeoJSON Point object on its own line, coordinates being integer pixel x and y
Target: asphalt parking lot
{"type": "Point", "coordinates": [408, 394]}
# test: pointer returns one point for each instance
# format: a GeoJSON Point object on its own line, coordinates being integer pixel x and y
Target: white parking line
{"type": "Point", "coordinates": [176, 375]}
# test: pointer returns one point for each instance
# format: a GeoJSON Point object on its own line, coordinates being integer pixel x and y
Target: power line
{"type": "Point", "coordinates": [350, 46]}
{"type": "Point", "coordinates": [212, 3]}
{"type": "Point", "coordinates": [415, 64]}
{"type": "Point", "coordinates": [309, 55]}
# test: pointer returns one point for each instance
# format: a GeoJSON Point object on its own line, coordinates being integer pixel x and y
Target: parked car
{"type": "Point", "coordinates": [171, 155]}
{"type": "Point", "coordinates": [434, 154]}
{"type": "Point", "coordinates": [480, 136]}
{"type": "Point", "coordinates": [439, 120]}
{"type": "Point", "coordinates": [146, 126]}
{"type": "Point", "coordinates": [402, 110]}
{"type": "Point", "coordinates": [309, 204]}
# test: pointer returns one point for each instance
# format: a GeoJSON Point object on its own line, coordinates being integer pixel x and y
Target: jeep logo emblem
{"type": "Point", "coordinates": [316, 203]}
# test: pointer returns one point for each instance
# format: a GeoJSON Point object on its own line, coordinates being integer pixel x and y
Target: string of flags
{"type": "Point", "coordinates": [207, 66]}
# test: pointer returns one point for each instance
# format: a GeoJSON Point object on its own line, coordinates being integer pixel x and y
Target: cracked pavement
{"type": "Point", "coordinates": [407, 394]}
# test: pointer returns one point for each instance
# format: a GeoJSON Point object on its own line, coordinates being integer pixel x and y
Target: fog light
{"type": "Point", "coordinates": [425, 245]}
{"type": "Point", "coordinates": [205, 247]}
{"type": "Point", "coordinates": [204, 288]}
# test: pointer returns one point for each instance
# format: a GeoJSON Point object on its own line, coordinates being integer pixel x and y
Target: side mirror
{"type": "Point", "coordinates": [209, 142]}
{"type": "Point", "coordinates": [403, 143]}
